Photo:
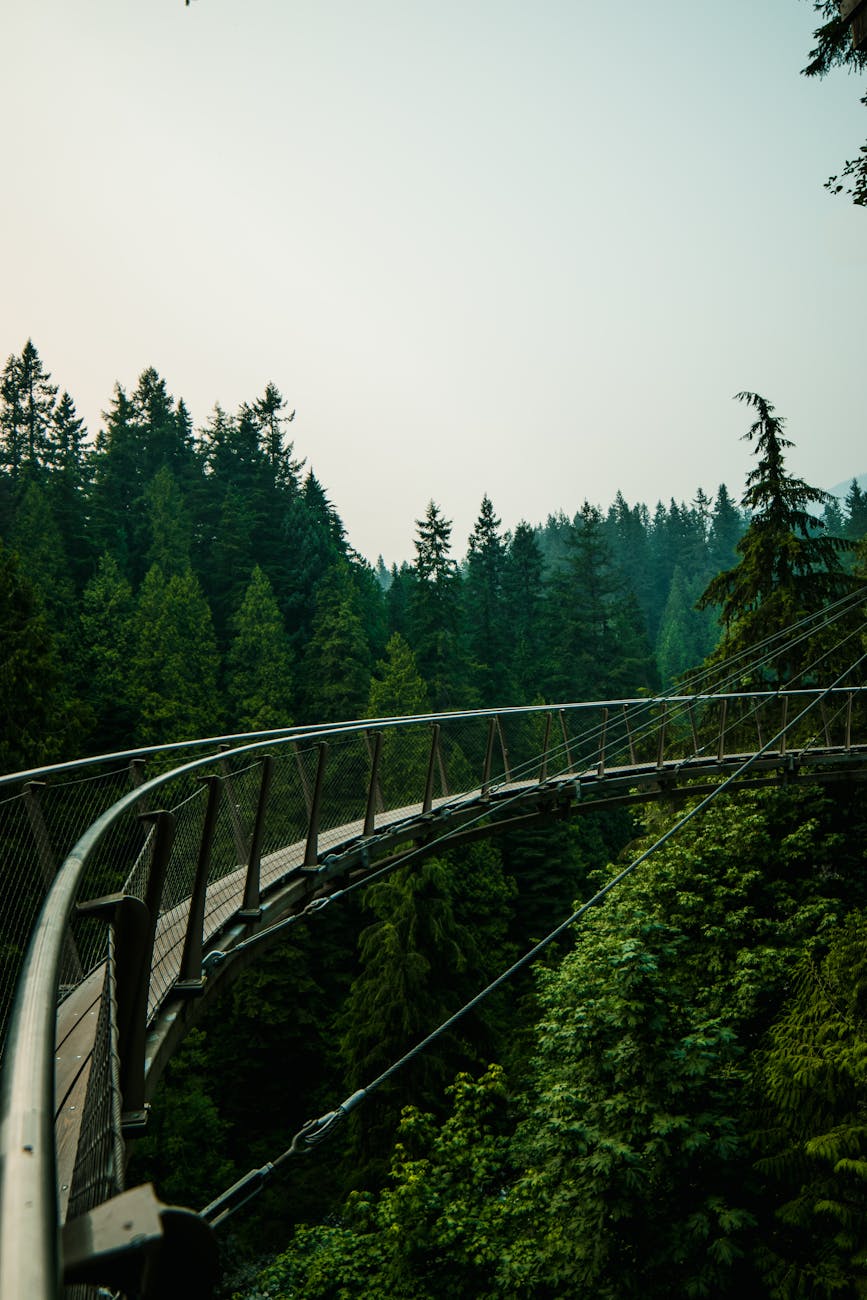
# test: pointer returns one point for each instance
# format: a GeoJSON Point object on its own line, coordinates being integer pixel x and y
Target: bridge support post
{"type": "Point", "coordinates": [721, 747]}
{"type": "Point", "coordinates": [427, 802]}
{"type": "Point", "coordinates": [503, 748]}
{"type": "Point", "coordinates": [250, 909]}
{"type": "Point", "coordinates": [848, 722]}
{"type": "Point", "coordinates": [784, 733]}
{"type": "Point", "coordinates": [311, 851]}
{"type": "Point", "coordinates": [374, 796]}
{"type": "Point", "coordinates": [190, 975]}
{"type": "Point", "coordinates": [600, 771]}
{"type": "Point", "coordinates": [489, 754]}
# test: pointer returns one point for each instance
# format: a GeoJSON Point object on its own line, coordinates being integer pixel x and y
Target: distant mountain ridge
{"type": "Point", "coordinates": [842, 488]}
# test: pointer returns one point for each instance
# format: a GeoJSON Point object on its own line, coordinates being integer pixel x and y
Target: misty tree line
{"type": "Point", "coordinates": [162, 582]}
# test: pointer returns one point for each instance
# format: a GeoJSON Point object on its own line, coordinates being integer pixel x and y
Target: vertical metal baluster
{"type": "Point", "coordinates": [600, 771]}
{"type": "Point", "coordinates": [489, 754]}
{"type": "Point", "coordinates": [721, 747]}
{"type": "Point", "coordinates": [251, 906]}
{"type": "Point", "coordinates": [784, 728]}
{"type": "Point", "coordinates": [507, 774]}
{"type": "Point", "coordinates": [311, 851]}
{"type": "Point", "coordinates": [190, 975]}
{"type": "Point", "coordinates": [427, 802]}
{"type": "Point", "coordinates": [374, 796]}
{"type": "Point", "coordinates": [848, 722]}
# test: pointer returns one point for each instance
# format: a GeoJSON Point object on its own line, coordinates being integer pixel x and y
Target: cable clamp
{"type": "Point", "coordinates": [214, 958]}
{"type": "Point", "coordinates": [318, 904]}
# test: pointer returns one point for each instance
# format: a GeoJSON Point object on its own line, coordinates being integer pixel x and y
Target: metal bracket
{"type": "Point", "coordinates": [141, 1247]}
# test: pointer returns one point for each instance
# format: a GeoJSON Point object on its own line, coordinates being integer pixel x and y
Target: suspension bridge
{"type": "Point", "coordinates": [138, 885]}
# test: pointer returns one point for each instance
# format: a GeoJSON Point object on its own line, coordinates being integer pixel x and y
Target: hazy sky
{"type": "Point", "coordinates": [528, 249]}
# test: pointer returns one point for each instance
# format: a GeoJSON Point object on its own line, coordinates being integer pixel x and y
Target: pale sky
{"type": "Point", "coordinates": [529, 250]}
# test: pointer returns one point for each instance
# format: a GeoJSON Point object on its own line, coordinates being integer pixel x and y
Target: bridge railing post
{"type": "Point", "coordinates": [427, 802]}
{"type": "Point", "coordinates": [504, 750]}
{"type": "Point", "coordinates": [374, 794]}
{"type": "Point", "coordinates": [135, 959]}
{"type": "Point", "coordinates": [190, 975]}
{"type": "Point", "coordinates": [489, 755]}
{"type": "Point", "coordinates": [601, 768]}
{"type": "Point", "coordinates": [250, 908]}
{"type": "Point", "coordinates": [311, 851]}
{"type": "Point", "coordinates": [848, 721]}
{"type": "Point", "coordinates": [784, 725]}
{"type": "Point", "coordinates": [721, 745]}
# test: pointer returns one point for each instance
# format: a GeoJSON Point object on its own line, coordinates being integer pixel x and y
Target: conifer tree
{"type": "Point", "coordinates": [36, 537]}
{"type": "Point", "coordinates": [170, 526]}
{"type": "Point", "coordinates": [483, 589]}
{"type": "Point", "coordinates": [174, 661]}
{"type": "Point", "coordinates": [788, 568]}
{"type": "Point", "coordinates": [106, 646]}
{"type": "Point", "coordinates": [523, 595]}
{"type": "Point", "coordinates": [598, 644]}
{"type": "Point", "coordinates": [856, 510]}
{"type": "Point", "coordinates": [726, 529]}
{"type": "Point", "coordinates": [68, 486]}
{"type": "Point", "coordinates": [259, 684]}
{"type": "Point", "coordinates": [38, 398]}
{"type": "Point", "coordinates": [34, 725]}
{"type": "Point", "coordinates": [435, 612]}
{"type": "Point", "coordinates": [336, 669]}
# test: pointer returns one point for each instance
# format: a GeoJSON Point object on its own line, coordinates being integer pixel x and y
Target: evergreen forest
{"type": "Point", "coordinates": [670, 1102]}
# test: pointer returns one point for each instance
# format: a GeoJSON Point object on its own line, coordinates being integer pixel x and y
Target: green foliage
{"type": "Point", "coordinates": [173, 665]}
{"type": "Point", "coordinates": [809, 1089]}
{"type": "Point", "coordinates": [337, 663]}
{"type": "Point", "coordinates": [638, 1177]}
{"type": "Point", "coordinates": [435, 613]}
{"type": "Point", "coordinates": [106, 644]}
{"type": "Point", "coordinates": [787, 568]}
{"type": "Point", "coordinates": [434, 1231]}
{"type": "Point", "coordinates": [437, 937]}
{"type": "Point", "coordinates": [33, 728]}
{"type": "Point", "coordinates": [183, 1151]}
{"type": "Point", "coordinates": [259, 663]}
